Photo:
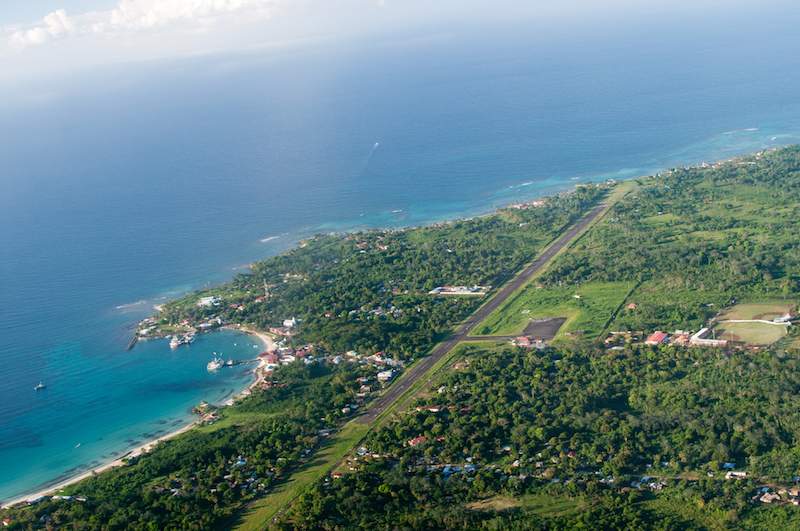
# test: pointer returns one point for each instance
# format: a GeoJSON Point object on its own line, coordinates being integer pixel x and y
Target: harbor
{"type": "Point", "coordinates": [149, 393]}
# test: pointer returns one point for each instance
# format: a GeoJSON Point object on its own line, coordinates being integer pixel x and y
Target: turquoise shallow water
{"type": "Point", "coordinates": [96, 407]}
{"type": "Point", "coordinates": [126, 186]}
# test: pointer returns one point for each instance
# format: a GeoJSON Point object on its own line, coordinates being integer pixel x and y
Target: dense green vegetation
{"type": "Point", "coordinates": [562, 438]}
{"type": "Point", "coordinates": [697, 239]}
{"type": "Point", "coordinates": [523, 420]}
{"type": "Point", "coordinates": [364, 292]}
{"type": "Point", "coordinates": [369, 291]}
{"type": "Point", "coordinates": [202, 477]}
{"type": "Point", "coordinates": [506, 438]}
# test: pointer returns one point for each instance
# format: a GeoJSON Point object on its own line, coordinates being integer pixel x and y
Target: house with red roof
{"type": "Point", "coordinates": [417, 440]}
{"type": "Point", "coordinates": [656, 338]}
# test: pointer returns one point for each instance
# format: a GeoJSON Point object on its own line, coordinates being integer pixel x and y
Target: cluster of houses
{"type": "Point", "coordinates": [391, 310]}
{"type": "Point", "coordinates": [529, 342]}
{"type": "Point", "coordinates": [284, 355]}
{"type": "Point", "coordinates": [387, 367]}
{"type": "Point", "coordinates": [646, 482]}
{"type": "Point", "coordinates": [149, 329]}
{"type": "Point", "coordinates": [684, 338]}
{"type": "Point", "coordinates": [536, 203]}
{"type": "Point", "coordinates": [779, 496]}
{"type": "Point", "coordinates": [287, 329]}
{"type": "Point", "coordinates": [238, 476]}
{"type": "Point", "coordinates": [363, 245]}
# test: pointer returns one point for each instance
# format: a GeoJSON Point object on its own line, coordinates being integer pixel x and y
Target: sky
{"type": "Point", "coordinates": [45, 37]}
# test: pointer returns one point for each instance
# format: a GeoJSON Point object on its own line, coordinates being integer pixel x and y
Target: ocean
{"type": "Point", "coordinates": [126, 186]}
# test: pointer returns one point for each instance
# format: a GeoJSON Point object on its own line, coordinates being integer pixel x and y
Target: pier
{"type": "Point", "coordinates": [132, 342]}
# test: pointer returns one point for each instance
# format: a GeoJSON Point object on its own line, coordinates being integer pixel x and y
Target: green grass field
{"type": "Point", "coordinates": [230, 418]}
{"type": "Point", "coordinates": [692, 511]}
{"type": "Point", "coordinates": [751, 333]}
{"type": "Point", "coordinates": [754, 333]}
{"type": "Point", "coordinates": [757, 310]}
{"type": "Point", "coordinates": [589, 313]}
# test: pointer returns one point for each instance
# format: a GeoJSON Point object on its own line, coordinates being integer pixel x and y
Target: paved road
{"type": "Point", "coordinates": [462, 332]}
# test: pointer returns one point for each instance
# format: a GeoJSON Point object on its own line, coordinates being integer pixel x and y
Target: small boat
{"type": "Point", "coordinates": [177, 341]}
{"type": "Point", "coordinates": [39, 386]}
{"type": "Point", "coordinates": [214, 364]}
{"type": "Point", "coordinates": [229, 363]}
{"type": "Point", "coordinates": [78, 445]}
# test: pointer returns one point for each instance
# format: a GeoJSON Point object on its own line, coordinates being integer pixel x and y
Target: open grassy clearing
{"type": "Point", "coordinates": [757, 310]}
{"type": "Point", "coordinates": [692, 511]}
{"type": "Point", "coordinates": [754, 333]}
{"type": "Point", "coordinates": [587, 308]}
{"type": "Point", "coordinates": [662, 219]}
{"type": "Point", "coordinates": [230, 418]}
{"type": "Point", "coordinates": [751, 333]}
{"type": "Point", "coordinates": [540, 504]}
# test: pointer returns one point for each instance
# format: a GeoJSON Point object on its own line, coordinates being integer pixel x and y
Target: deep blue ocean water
{"type": "Point", "coordinates": [127, 186]}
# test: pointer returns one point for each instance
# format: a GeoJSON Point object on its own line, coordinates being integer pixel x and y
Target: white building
{"type": "Point", "coordinates": [205, 302]}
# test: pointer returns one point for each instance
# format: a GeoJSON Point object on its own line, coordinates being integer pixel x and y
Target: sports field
{"type": "Point", "coordinates": [751, 333]}
{"type": "Point", "coordinates": [758, 330]}
{"type": "Point", "coordinates": [757, 310]}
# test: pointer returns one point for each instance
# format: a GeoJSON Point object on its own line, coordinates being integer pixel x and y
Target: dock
{"type": "Point", "coordinates": [132, 342]}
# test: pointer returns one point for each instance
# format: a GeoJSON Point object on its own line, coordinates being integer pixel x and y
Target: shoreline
{"type": "Point", "coordinates": [120, 461]}
{"type": "Point", "coordinates": [147, 446]}
{"type": "Point", "coordinates": [269, 342]}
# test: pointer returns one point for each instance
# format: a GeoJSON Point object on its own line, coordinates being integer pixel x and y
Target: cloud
{"type": "Point", "coordinates": [136, 16]}
{"type": "Point", "coordinates": [53, 26]}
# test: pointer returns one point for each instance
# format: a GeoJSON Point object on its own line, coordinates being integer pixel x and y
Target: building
{"type": "Point", "coordinates": [736, 475]}
{"type": "Point", "coordinates": [769, 497]}
{"type": "Point", "coordinates": [269, 357]}
{"type": "Point", "coordinates": [656, 338]}
{"type": "Point", "coordinates": [460, 290]}
{"type": "Point", "coordinates": [205, 302]}
{"type": "Point", "coordinates": [522, 341]}
{"type": "Point", "coordinates": [417, 440]}
{"type": "Point", "coordinates": [385, 376]}
{"type": "Point", "coordinates": [681, 338]}
{"type": "Point", "coordinates": [700, 340]}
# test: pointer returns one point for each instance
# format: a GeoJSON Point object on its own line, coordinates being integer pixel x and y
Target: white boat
{"type": "Point", "coordinates": [39, 386]}
{"type": "Point", "coordinates": [215, 364]}
{"type": "Point", "coordinates": [177, 341]}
